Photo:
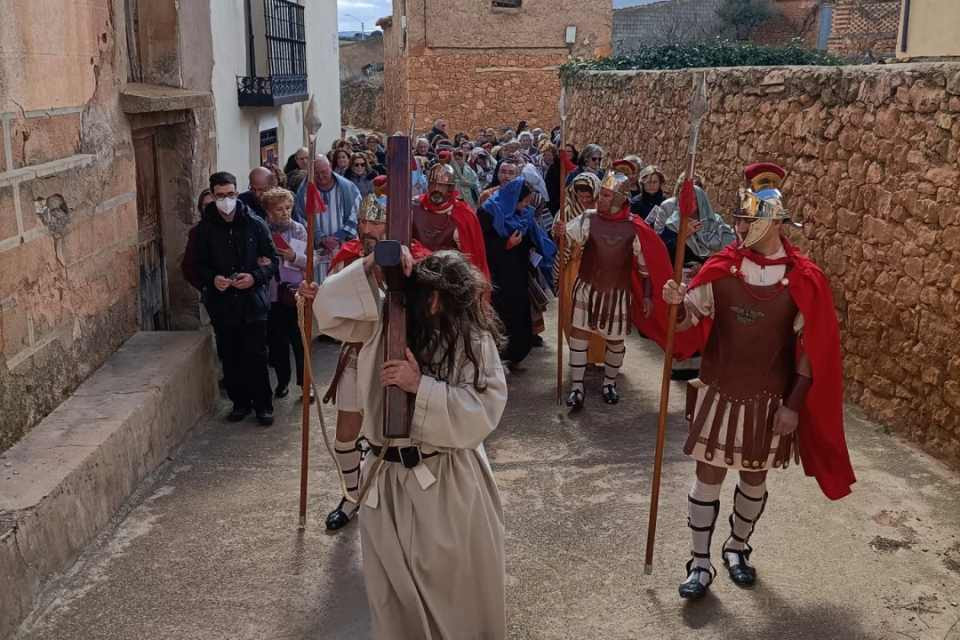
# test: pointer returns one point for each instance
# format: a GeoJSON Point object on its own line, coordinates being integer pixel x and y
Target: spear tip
{"type": "Point", "coordinates": [311, 117]}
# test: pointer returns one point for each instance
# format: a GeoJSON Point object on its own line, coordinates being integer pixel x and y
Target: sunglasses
{"type": "Point", "coordinates": [597, 159]}
{"type": "Point", "coordinates": [359, 164]}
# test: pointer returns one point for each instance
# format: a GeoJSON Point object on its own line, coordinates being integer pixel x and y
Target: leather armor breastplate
{"type": "Point", "coordinates": [435, 231]}
{"type": "Point", "coordinates": [608, 259]}
{"type": "Point", "coordinates": [751, 349]}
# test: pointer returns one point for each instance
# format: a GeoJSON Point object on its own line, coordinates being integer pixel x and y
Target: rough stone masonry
{"type": "Point", "coordinates": [872, 156]}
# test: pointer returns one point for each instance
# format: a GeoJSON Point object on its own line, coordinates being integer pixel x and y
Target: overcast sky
{"type": "Point", "coordinates": [369, 11]}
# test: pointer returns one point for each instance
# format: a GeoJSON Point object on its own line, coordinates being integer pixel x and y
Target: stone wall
{"type": "Point", "coordinates": [872, 155]}
{"type": "Point", "coordinates": [357, 56]}
{"type": "Point", "coordinates": [361, 103]}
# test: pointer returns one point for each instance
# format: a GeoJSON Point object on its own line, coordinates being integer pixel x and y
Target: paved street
{"type": "Point", "coordinates": [209, 548]}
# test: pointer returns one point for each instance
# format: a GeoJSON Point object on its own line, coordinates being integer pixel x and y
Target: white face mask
{"type": "Point", "coordinates": [227, 205]}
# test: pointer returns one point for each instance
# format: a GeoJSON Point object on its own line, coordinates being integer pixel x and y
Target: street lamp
{"type": "Point", "coordinates": [363, 31]}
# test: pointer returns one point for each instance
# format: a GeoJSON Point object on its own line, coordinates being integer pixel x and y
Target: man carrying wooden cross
{"type": "Point", "coordinates": [431, 521]}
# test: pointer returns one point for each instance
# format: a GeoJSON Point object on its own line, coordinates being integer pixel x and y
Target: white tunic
{"type": "Point", "coordinates": [432, 537]}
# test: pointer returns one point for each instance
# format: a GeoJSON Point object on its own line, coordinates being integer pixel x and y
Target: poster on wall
{"type": "Point", "coordinates": [269, 151]}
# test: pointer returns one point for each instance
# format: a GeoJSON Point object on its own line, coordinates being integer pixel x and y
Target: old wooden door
{"type": "Point", "coordinates": [154, 311]}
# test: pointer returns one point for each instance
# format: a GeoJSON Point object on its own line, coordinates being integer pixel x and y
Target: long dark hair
{"type": "Point", "coordinates": [465, 314]}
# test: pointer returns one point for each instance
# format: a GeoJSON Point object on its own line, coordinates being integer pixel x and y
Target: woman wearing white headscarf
{"type": "Point", "coordinates": [582, 195]}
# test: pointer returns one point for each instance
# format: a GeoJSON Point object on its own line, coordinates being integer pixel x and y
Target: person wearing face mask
{"type": "Point", "coordinates": [771, 385]}
{"type": "Point", "coordinates": [235, 261]}
{"type": "Point", "coordinates": [441, 220]}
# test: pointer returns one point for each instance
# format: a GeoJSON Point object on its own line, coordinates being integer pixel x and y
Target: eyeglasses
{"type": "Point", "coordinates": [359, 164]}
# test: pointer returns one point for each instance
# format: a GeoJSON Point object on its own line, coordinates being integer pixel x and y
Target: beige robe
{"type": "Point", "coordinates": [432, 537]}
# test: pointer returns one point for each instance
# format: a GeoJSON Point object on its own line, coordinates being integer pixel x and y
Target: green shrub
{"type": "Point", "coordinates": [719, 53]}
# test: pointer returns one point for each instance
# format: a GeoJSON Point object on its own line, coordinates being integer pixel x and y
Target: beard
{"type": "Point", "coordinates": [437, 197]}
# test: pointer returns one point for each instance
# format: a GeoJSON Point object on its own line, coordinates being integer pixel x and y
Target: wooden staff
{"type": "Point", "coordinates": [698, 108]}
{"type": "Point", "coordinates": [561, 241]}
{"type": "Point", "coordinates": [311, 124]}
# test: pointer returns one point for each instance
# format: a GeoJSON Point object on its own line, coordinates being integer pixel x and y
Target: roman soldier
{"type": "Point", "coordinates": [622, 260]}
{"type": "Point", "coordinates": [708, 233]}
{"type": "Point", "coordinates": [441, 220]}
{"type": "Point", "coordinates": [770, 389]}
{"type": "Point", "coordinates": [348, 446]}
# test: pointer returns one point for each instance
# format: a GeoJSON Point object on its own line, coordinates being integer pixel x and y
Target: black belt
{"type": "Point", "coordinates": [410, 457]}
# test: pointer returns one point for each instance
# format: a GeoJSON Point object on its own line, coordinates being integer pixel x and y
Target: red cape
{"type": "Point", "coordinates": [353, 249]}
{"type": "Point", "coordinates": [823, 447]}
{"type": "Point", "coordinates": [468, 230]}
{"type": "Point", "coordinates": [658, 266]}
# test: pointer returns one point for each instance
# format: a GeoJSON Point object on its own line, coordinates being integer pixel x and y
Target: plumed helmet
{"type": "Point", "coordinates": [441, 174]}
{"type": "Point", "coordinates": [617, 180]}
{"type": "Point", "coordinates": [762, 202]}
{"type": "Point", "coordinates": [373, 209]}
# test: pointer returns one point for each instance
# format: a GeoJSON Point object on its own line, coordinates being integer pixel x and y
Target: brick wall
{"type": "Point", "coordinates": [795, 19]}
{"type": "Point", "coordinates": [865, 28]}
{"type": "Point", "coordinates": [873, 155]}
{"type": "Point", "coordinates": [450, 61]}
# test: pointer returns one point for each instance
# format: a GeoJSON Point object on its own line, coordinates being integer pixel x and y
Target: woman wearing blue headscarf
{"type": "Point", "coordinates": [515, 243]}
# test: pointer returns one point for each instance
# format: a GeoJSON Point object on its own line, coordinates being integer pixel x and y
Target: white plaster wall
{"type": "Point", "coordinates": [238, 129]}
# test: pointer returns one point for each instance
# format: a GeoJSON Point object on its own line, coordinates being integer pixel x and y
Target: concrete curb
{"type": "Point", "coordinates": [63, 482]}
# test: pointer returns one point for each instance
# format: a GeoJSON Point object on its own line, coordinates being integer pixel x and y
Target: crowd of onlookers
{"type": "Point", "coordinates": [247, 254]}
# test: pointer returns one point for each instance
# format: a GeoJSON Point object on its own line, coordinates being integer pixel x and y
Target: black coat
{"type": "Point", "coordinates": [224, 248]}
{"type": "Point", "coordinates": [249, 198]}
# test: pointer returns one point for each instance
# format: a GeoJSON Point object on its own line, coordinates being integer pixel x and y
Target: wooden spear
{"type": "Point", "coordinates": [561, 241]}
{"type": "Point", "coordinates": [311, 124]}
{"type": "Point", "coordinates": [698, 108]}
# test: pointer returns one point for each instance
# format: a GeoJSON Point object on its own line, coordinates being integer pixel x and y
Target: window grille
{"type": "Point", "coordinates": [286, 47]}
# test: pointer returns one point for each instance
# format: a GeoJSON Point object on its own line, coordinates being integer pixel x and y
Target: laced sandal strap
{"type": "Point", "coordinates": [742, 554]}
{"type": "Point", "coordinates": [711, 572]}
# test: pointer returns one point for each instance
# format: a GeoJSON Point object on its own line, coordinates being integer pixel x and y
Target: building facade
{"type": "Point", "coordinates": [280, 52]}
{"type": "Point", "coordinates": [929, 29]}
{"type": "Point", "coordinates": [485, 62]}
{"type": "Point", "coordinates": [113, 113]}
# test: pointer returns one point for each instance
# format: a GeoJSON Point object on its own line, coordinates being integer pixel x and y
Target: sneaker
{"type": "Point", "coordinates": [265, 417]}
{"type": "Point", "coordinates": [238, 413]}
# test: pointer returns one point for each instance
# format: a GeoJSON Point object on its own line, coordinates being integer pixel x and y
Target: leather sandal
{"type": "Point", "coordinates": [339, 518]}
{"type": "Point", "coordinates": [692, 588]}
{"type": "Point", "coordinates": [610, 395]}
{"type": "Point", "coordinates": [742, 574]}
{"type": "Point", "coordinates": [575, 399]}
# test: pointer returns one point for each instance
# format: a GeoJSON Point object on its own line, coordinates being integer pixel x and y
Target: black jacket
{"type": "Point", "coordinates": [249, 198]}
{"type": "Point", "coordinates": [224, 248]}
